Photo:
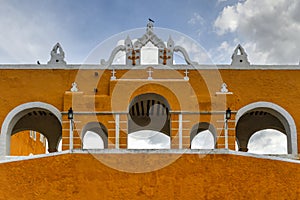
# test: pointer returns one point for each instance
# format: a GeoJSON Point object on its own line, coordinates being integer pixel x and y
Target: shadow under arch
{"type": "Point", "coordinates": [37, 116]}
{"type": "Point", "coordinates": [99, 129]}
{"type": "Point", "coordinates": [160, 90]}
{"type": "Point", "coordinates": [265, 115]}
{"type": "Point", "coordinates": [200, 127]}
{"type": "Point", "coordinates": [149, 111]}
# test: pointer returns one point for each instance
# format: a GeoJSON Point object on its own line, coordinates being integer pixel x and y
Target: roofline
{"type": "Point", "coordinates": [126, 67]}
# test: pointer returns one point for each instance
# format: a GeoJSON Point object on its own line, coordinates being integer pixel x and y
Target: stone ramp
{"type": "Point", "coordinates": [166, 176]}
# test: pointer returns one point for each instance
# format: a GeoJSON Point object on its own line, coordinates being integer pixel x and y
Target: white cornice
{"type": "Point", "coordinates": [175, 67]}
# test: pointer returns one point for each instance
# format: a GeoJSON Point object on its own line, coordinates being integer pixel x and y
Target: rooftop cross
{"type": "Point", "coordinates": [186, 75]}
{"type": "Point", "coordinates": [113, 77]}
{"type": "Point", "coordinates": [134, 57]}
{"type": "Point", "coordinates": [150, 74]}
{"type": "Point", "coordinates": [164, 56]}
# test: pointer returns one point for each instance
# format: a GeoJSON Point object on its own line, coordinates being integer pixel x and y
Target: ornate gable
{"type": "Point", "coordinates": [133, 50]}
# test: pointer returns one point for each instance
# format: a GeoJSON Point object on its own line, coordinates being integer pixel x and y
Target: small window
{"type": "Point", "coordinates": [41, 138]}
{"type": "Point", "coordinates": [31, 134]}
{"type": "Point", "coordinates": [34, 135]}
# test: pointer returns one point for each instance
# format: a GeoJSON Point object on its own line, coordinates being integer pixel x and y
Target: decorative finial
{"type": "Point", "coordinates": [224, 88]}
{"type": "Point", "coordinates": [57, 55]}
{"type": "Point", "coordinates": [150, 24]}
{"type": "Point", "coordinates": [74, 87]}
{"type": "Point", "coordinates": [128, 43]}
{"type": "Point", "coordinates": [239, 57]}
{"type": "Point", "coordinates": [170, 43]}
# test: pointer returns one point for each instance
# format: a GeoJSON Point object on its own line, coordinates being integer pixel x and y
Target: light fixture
{"type": "Point", "coordinates": [228, 114]}
{"type": "Point", "coordinates": [70, 113]}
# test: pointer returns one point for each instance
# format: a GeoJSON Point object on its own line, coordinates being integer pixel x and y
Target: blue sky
{"type": "Point", "coordinates": [268, 30]}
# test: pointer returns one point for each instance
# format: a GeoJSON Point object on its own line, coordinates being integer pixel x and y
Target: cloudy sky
{"type": "Point", "coordinates": [268, 30]}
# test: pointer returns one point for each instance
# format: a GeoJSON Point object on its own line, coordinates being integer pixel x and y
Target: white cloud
{"type": "Point", "coordinates": [227, 20]}
{"type": "Point", "coordinates": [223, 53]}
{"type": "Point", "coordinates": [204, 140]}
{"type": "Point", "coordinates": [196, 19]}
{"type": "Point", "coordinates": [26, 36]}
{"type": "Point", "coordinates": [270, 29]}
{"type": "Point", "coordinates": [148, 139]}
{"type": "Point", "coordinates": [268, 142]}
{"type": "Point", "coordinates": [92, 140]}
{"type": "Point", "coordinates": [194, 50]}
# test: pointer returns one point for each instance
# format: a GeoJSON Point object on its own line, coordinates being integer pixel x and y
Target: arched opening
{"type": "Point", "coordinates": [149, 124]}
{"type": "Point", "coordinates": [268, 141]}
{"type": "Point", "coordinates": [94, 136]}
{"type": "Point", "coordinates": [203, 136]}
{"type": "Point", "coordinates": [263, 116]}
{"type": "Point", "coordinates": [92, 140]}
{"type": "Point", "coordinates": [35, 116]}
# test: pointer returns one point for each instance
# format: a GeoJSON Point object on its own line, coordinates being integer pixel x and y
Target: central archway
{"type": "Point", "coordinates": [149, 122]}
{"type": "Point", "coordinates": [36, 116]}
{"type": "Point", "coordinates": [149, 112]}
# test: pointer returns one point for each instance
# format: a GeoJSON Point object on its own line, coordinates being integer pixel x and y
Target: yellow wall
{"type": "Point", "coordinates": [23, 145]}
{"type": "Point", "coordinates": [191, 176]}
{"type": "Point", "coordinates": [50, 85]}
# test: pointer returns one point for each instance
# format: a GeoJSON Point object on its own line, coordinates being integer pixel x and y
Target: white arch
{"type": "Point", "coordinates": [285, 118]}
{"type": "Point", "coordinates": [14, 116]}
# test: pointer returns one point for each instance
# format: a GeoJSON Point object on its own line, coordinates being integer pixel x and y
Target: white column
{"type": "Point", "coordinates": [180, 131]}
{"type": "Point", "coordinates": [226, 133]}
{"type": "Point", "coordinates": [3, 143]}
{"type": "Point", "coordinates": [117, 128]}
{"type": "Point", "coordinates": [71, 134]}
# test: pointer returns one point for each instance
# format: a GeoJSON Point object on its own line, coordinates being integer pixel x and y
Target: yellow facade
{"type": "Point", "coordinates": [247, 86]}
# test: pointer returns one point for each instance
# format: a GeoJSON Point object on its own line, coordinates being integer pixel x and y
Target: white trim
{"type": "Point", "coordinates": [284, 158]}
{"type": "Point", "coordinates": [195, 66]}
{"type": "Point", "coordinates": [14, 116]}
{"type": "Point", "coordinates": [279, 112]}
{"type": "Point", "coordinates": [180, 131]}
{"type": "Point", "coordinates": [71, 134]}
{"type": "Point", "coordinates": [117, 126]}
